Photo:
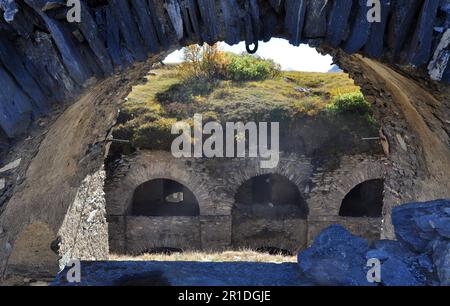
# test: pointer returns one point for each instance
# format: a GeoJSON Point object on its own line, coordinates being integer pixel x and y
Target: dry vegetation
{"type": "Point", "coordinates": [227, 256]}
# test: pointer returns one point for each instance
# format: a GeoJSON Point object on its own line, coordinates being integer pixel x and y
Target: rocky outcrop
{"type": "Point", "coordinates": [46, 60]}
{"type": "Point", "coordinates": [420, 256]}
{"type": "Point", "coordinates": [424, 228]}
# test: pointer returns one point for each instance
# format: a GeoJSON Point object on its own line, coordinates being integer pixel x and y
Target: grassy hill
{"type": "Point", "coordinates": [151, 109]}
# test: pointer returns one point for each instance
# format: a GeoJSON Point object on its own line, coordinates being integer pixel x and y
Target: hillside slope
{"type": "Point", "coordinates": [306, 101]}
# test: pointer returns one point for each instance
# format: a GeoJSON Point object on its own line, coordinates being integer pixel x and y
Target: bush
{"type": "Point", "coordinates": [155, 135]}
{"type": "Point", "coordinates": [310, 106]}
{"type": "Point", "coordinates": [203, 63]}
{"type": "Point", "coordinates": [246, 67]}
{"type": "Point", "coordinates": [210, 116]}
{"type": "Point", "coordinates": [350, 103]}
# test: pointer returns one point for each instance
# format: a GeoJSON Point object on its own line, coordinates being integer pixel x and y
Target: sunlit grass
{"type": "Point", "coordinates": [167, 97]}
{"type": "Point", "coordinates": [226, 256]}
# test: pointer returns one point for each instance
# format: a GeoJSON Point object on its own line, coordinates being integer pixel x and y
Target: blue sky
{"type": "Point", "coordinates": [302, 58]}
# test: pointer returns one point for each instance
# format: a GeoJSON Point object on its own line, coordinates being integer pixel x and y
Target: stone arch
{"type": "Point", "coordinates": [162, 197]}
{"type": "Point", "coordinates": [364, 200]}
{"type": "Point", "coordinates": [326, 197]}
{"type": "Point", "coordinates": [52, 66]}
{"type": "Point", "coordinates": [330, 190]}
{"type": "Point", "coordinates": [150, 166]}
{"type": "Point", "coordinates": [275, 192]}
{"type": "Point", "coordinates": [297, 169]}
{"type": "Point", "coordinates": [268, 226]}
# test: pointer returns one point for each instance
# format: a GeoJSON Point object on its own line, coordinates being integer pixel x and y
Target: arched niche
{"type": "Point", "coordinates": [364, 200]}
{"type": "Point", "coordinates": [164, 197]}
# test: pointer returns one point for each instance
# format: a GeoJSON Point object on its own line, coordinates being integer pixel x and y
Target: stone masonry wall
{"type": "Point", "coordinates": [215, 182]}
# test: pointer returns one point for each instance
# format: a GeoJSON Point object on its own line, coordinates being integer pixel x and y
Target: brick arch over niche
{"type": "Point", "coordinates": [325, 199]}
{"type": "Point", "coordinates": [296, 169]}
{"type": "Point", "coordinates": [163, 197]}
{"type": "Point", "coordinates": [271, 195]}
{"type": "Point", "coordinates": [150, 166]}
{"type": "Point", "coordinates": [364, 200]}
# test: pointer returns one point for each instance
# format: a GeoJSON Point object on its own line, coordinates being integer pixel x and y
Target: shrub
{"type": "Point", "coordinates": [350, 103]}
{"type": "Point", "coordinates": [223, 94]}
{"type": "Point", "coordinates": [154, 135]}
{"type": "Point", "coordinates": [341, 90]}
{"type": "Point", "coordinates": [210, 116]}
{"type": "Point", "coordinates": [246, 67]}
{"type": "Point", "coordinates": [310, 106]}
{"type": "Point", "coordinates": [179, 110]}
{"type": "Point", "coordinates": [185, 92]}
{"type": "Point", "coordinates": [203, 63]}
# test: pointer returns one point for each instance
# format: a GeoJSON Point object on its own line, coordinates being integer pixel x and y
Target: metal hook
{"type": "Point", "coordinates": [251, 36]}
{"type": "Point", "coordinates": [254, 50]}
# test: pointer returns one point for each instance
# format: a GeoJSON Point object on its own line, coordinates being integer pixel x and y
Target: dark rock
{"type": "Point", "coordinates": [72, 59]}
{"type": "Point", "coordinates": [276, 4]}
{"type": "Point", "coordinates": [441, 259]}
{"type": "Point", "coordinates": [421, 256]}
{"type": "Point", "coordinates": [44, 63]}
{"type": "Point", "coordinates": [417, 224]}
{"type": "Point", "coordinates": [16, 108]}
{"type": "Point", "coordinates": [208, 14]}
{"type": "Point", "coordinates": [335, 258]}
{"type": "Point", "coordinates": [402, 16]}
{"type": "Point", "coordinates": [270, 23]}
{"type": "Point", "coordinates": [113, 38]}
{"type": "Point", "coordinates": [359, 30]}
{"type": "Point", "coordinates": [375, 44]}
{"type": "Point", "coordinates": [89, 29]}
{"type": "Point", "coordinates": [145, 25]}
{"type": "Point", "coordinates": [400, 266]}
{"type": "Point", "coordinates": [338, 21]}
{"type": "Point", "coordinates": [295, 19]}
{"type": "Point", "coordinates": [232, 21]}
{"type": "Point", "coordinates": [28, 84]}
{"type": "Point", "coordinates": [190, 18]}
{"type": "Point", "coordinates": [420, 49]}
{"type": "Point", "coordinates": [173, 10]}
{"type": "Point", "coordinates": [158, 25]}
{"type": "Point", "coordinates": [316, 19]}
{"type": "Point", "coordinates": [255, 20]}
{"type": "Point", "coordinates": [150, 273]}
{"type": "Point", "coordinates": [128, 29]}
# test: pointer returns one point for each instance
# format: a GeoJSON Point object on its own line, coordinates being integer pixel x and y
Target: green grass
{"type": "Point", "coordinates": [152, 107]}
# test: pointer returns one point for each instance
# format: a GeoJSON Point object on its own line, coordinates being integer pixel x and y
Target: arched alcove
{"type": "Point", "coordinates": [269, 210]}
{"type": "Point", "coordinates": [164, 197]}
{"type": "Point", "coordinates": [271, 196]}
{"type": "Point", "coordinates": [364, 200]}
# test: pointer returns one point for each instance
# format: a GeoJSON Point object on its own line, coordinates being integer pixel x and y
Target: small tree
{"type": "Point", "coordinates": [203, 62]}
{"type": "Point", "coordinates": [192, 60]}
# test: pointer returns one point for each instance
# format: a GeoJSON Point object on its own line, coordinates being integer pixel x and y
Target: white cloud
{"type": "Point", "coordinates": [302, 58]}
